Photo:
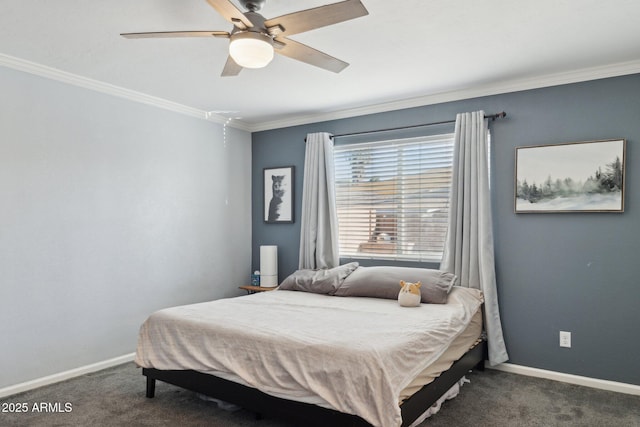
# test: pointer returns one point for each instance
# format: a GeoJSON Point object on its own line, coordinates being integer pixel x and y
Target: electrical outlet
{"type": "Point", "coordinates": [565, 339]}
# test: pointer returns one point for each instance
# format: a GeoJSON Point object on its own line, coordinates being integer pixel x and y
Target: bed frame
{"type": "Point", "coordinates": [304, 413]}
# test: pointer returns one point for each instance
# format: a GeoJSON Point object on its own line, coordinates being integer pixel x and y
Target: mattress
{"type": "Point", "coordinates": [355, 355]}
{"type": "Point", "coordinates": [465, 341]}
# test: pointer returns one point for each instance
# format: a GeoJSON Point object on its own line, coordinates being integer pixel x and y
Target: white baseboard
{"type": "Point", "coordinates": [62, 376]}
{"type": "Point", "coordinates": [568, 378]}
{"type": "Point", "coordinates": [505, 367]}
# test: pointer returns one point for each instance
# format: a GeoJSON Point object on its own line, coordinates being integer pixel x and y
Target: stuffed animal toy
{"type": "Point", "coordinates": [409, 295]}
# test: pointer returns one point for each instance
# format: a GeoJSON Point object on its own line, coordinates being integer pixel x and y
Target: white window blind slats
{"type": "Point", "coordinates": [392, 197]}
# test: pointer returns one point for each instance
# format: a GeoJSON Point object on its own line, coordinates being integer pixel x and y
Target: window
{"type": "Point", "coordinates": [393, 197]}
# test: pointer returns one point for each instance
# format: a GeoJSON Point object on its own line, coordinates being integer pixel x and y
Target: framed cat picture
{"type": "Point", "coordinates": [278, 195]}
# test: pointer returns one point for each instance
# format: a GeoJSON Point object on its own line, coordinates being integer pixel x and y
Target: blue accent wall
{"type": "Point", "coordinates": [576, 272]}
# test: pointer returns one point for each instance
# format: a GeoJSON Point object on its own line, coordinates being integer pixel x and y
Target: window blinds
{"type": "Point", "coordinates": [392, 197]}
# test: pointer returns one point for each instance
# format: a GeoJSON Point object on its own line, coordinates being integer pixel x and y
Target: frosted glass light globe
{"type": "Point", "coordinates": [250, 49]}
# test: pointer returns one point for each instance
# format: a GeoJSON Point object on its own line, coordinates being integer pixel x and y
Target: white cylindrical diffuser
{"type": "Point", "coordinates": [269, 266]}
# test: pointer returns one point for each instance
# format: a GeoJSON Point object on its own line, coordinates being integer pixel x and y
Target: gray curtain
{"type": "Point", "coordinates": [319, 223]}
{"type": "Point", "coordinates": [468, 251]}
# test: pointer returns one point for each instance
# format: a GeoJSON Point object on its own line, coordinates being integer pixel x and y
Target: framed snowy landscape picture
{"type": "Point", "coordinates": [571, 177]}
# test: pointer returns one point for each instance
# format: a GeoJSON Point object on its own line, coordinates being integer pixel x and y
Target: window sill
{"type": "Point", "coordinates": [430, 258]}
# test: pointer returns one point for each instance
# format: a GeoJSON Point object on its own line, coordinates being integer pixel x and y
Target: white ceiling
{"type": "Point", "coordinates": [403, 52]}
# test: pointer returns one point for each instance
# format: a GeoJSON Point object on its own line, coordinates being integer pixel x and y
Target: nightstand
{"type": "Point", "coordinates": [255, 289]}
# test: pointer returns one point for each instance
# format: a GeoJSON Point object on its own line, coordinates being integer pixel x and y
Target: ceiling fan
{"type": "Point", "coordinates": [254, 39]}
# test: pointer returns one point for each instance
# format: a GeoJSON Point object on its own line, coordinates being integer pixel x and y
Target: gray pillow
{"type": "Point", "coordinates": [384, 282]}
{"type": "Point", "coordinates": [318, 281]}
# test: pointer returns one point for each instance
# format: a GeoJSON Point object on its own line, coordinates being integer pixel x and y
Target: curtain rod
{"type": "Point", "coordinates": [490, 116]}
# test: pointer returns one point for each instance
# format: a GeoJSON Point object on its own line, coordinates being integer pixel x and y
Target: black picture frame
{"type": "Point", "coordinates": [584, 176]}
{"type": "Point", "coordinates": [278, 195]}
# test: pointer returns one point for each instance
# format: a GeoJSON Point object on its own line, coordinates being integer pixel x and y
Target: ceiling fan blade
{"type": "Point", "coordinates": [305, 20]}
{"type": "Point", "coordinates": [309, 55]}
{"type": "Point", "coordinates": [231, 13]}
{"type": "Point", "coordinates": [166, 34]}
{"type": "Point", "coordinates": [231, 68]}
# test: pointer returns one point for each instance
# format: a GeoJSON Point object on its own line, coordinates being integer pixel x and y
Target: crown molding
{"type": "Point", "coordinates": [109, 89]}
{"type": "Point", "coordinates": [516, 85]}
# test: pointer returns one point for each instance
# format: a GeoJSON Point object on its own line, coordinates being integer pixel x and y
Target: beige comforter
{"type": "Point", "coordinates": [354, 354]}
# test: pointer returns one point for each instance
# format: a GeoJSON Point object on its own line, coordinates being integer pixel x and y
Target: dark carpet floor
{"type": "Point", "coordinates": [115, 397]}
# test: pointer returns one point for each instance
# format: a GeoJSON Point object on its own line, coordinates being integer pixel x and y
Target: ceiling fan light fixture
{"type": "Point", "coordinates": [251, 49]}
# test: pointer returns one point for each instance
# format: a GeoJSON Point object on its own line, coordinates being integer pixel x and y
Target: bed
{"type": "Point", "coordinates": [319, 358]}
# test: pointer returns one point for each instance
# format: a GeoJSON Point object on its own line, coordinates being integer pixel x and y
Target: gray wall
{"type": "Point", "coordinates": [110, 210]}
{"type": "Point", "coordinates": [572, 272]}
